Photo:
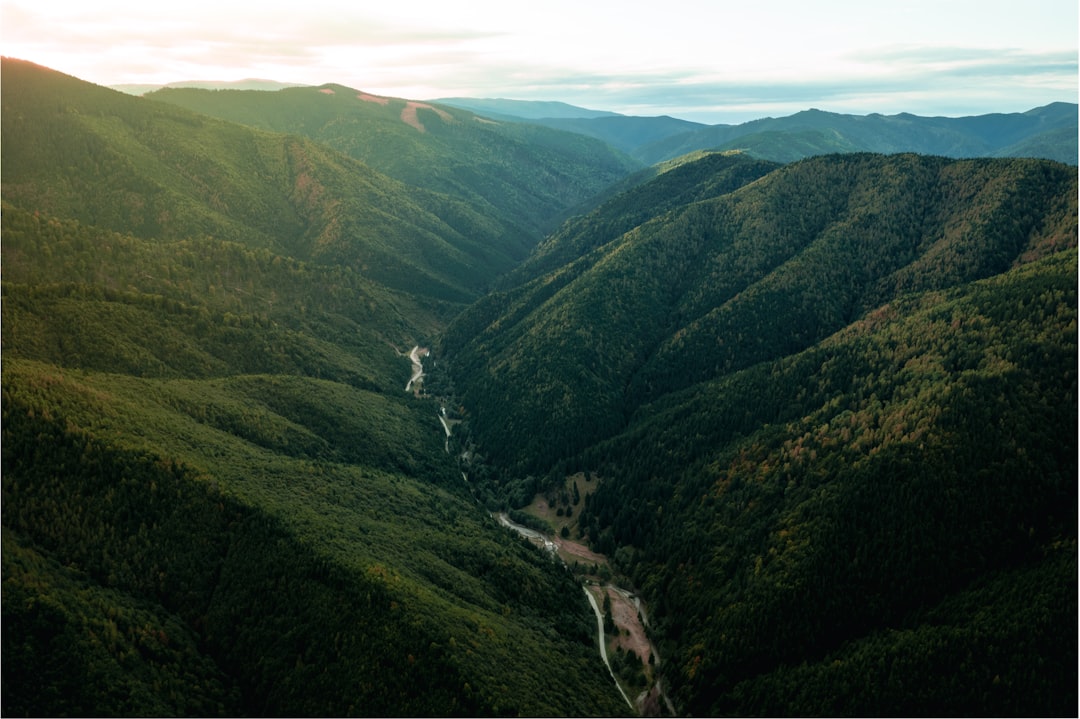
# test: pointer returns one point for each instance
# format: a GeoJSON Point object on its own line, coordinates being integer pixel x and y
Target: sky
{"type": "Point", "coordinates": [712, 61]}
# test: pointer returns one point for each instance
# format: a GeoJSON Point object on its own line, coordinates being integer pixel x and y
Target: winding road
{"type": "Point", "coordinates": [540, 539]}
{"type": "Point", "coordinates": [603, 644]}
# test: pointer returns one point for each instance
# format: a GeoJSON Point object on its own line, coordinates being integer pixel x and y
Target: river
{"type": "Point", "coordinates": [417, 354]}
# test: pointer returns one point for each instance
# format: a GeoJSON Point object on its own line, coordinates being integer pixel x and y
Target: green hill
{"type": "Point", "coordinates": [883, 523]}
{"type": "Point", "coordinates": [134, 165]}
{"type": "Point", "coordinates": [749, 276]}
{"type": "Point", "coordinates": [218, 499]}
{"type": "Point", "coordinates": [834, 414]}
{"type": "Point", "coordinates": [522, 176]}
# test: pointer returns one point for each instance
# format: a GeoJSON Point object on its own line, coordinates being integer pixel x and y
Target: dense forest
{"type": "Point", "coordinates": [826, 412]}
{"type": "Point", "coordinates": [218, 499]}
{"type": "Point", "coordinates": [526, 176]}
{"type": "Point", "coordinates": [833, 410]}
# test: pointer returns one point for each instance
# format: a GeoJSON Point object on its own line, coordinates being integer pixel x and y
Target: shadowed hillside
{"type": "Point", "coordinates": [834, 412]}
{"type": "Point", "coordinates": [218, 499]}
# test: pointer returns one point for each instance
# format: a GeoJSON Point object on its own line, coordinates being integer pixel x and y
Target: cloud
{"type": "Point", "coordinates": [719, 66]}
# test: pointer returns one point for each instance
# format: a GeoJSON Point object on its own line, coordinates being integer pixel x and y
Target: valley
{"type": "Point", "coordinates": [801, 424]}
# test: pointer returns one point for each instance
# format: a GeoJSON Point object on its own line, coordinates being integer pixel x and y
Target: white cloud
{"type": "Point", "coordinates": [681, 57]}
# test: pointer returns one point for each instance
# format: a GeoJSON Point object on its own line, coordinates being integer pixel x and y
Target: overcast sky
{"type": "Point", "coordinates": [714, 61]}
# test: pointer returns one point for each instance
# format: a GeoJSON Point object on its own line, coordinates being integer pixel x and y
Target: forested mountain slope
{"type": "Point", "coordinates": [134, 165]}
{"type": "Point", "coordinates": [834, 413]}
{"type": "Point", "coordinates": [218, 499]}
{"type": "Point", "coordinates": [525, 176]}
{"type": "Point", "coordinates": [722, 284]}
{"type": "Point", "coordinates": [884, 523]}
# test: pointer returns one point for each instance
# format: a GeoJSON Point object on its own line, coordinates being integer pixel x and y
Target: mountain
{"type": "Point", "coordinates": [248, 84]}
{"type": "Point", "coordinates": [524, 176]}
{"type": "Point", "coordinates": [155, 170]}
{"type": "Point", "coordinates": [832, 408]}
{"type": "Point", "coordinates": [623, 132]}
{"type": "Point", "coordinates": [218, 498]}
{"type": "Point", "coordinates": [1050, 132]}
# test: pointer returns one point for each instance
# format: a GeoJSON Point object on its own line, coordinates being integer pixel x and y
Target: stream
{"type": "Point", "coordinates": [418, 367]}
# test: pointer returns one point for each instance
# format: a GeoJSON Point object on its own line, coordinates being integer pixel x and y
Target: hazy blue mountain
{"type": "Point", "coordinates": [816, 132]}
{"type": "Point", "coordinates": [1048, 132]}
{"type": "Point", "coordinates": [624, 132]}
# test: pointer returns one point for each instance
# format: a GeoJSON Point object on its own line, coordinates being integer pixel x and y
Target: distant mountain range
{"type": "Point", "coordinates": [1048, 132]}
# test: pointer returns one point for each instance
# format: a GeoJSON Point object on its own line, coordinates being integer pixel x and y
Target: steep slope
{"type": "Point", "coordinates": [524, 176]}
{"type": "Point", "coordinates": [884, 523]}
{"type": "Point", "coordinates": [134, 165]}
{"type": "Point", "coordinates": [834, 414]}
{"type": "Point", "coordinates": [670, 185]}
{"type": "Point", "coordinates": [751, 276]}
{"type": "Point", "coordinates": [218, 499]}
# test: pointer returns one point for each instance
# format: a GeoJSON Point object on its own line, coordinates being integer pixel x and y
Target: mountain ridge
{"type": "Point", "coordinates": [526, 176]}
{"type": "Point", "coordinates": [655, 139]}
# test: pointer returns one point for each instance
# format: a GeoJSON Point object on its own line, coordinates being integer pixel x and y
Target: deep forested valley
{"type": "Point", "coordinates": [820, 415]}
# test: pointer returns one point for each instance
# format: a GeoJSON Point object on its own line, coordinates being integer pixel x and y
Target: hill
{"type": "Point", "coordinates": [833, 409]}
{"type": "Point", "coordinates": [218, 499]}
{"type": "Point", "coordinates": [130, 164]}
{"type": "Point", "coordinates": [523, 176]}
